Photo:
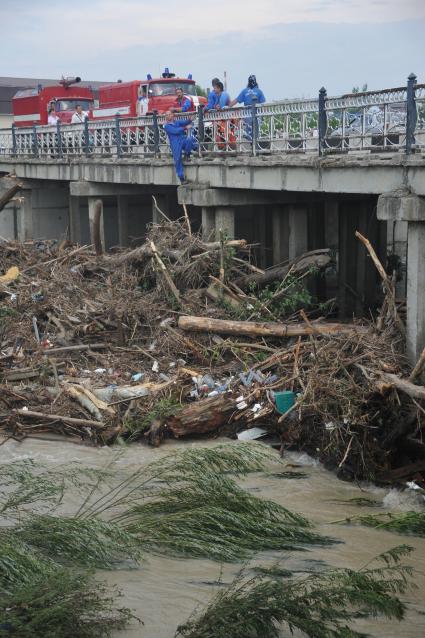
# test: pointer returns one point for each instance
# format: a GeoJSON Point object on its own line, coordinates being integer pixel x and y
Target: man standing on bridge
{"type": "Point", "coordinates": [178, 132]}
{"type": "Point", "coordinates": [248, 96]}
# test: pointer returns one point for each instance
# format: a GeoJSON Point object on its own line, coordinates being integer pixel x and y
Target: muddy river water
{"type": "Point", "coordinates": [163, 592]}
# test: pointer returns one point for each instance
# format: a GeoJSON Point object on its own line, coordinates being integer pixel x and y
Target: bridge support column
{"type": "Point", "coordinates": [26, 220]}
{"type": "Point", "coordinates": [331, 223]}
{"type": "Point", "coordinates": [280, 240]}
{"type": "Point", "coordinates": [92, 201]}
{"type": "Point", "coordinates": [208, 223]}
{"type": "Point", "coordinates": [74, 220]}
{"type": "Point", "coordinates": [411, 209]}
{"type": "Point", "coordinates": [225, 221]}
{"type": "Point", "coordinates": [298, 230]}
{"type": "Point", "coordinates": [122, 213]}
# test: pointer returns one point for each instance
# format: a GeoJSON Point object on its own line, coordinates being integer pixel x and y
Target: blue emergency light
{"type": "Point", "coordinates": [189, 77]}
{"type": "Point", "coordinates": [149, 77]}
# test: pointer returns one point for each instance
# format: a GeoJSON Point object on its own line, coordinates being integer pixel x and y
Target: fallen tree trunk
{"type": "Point", "coordinates": [145, 251]}
{"type": "Point", "coordinates": [264, 329]}
{"type": "Point", "coordinates": [314, 259]}
{"type": "Point", "coordinates": [9, 194]}
{"type": "Point", "coordinates": [203, 416]}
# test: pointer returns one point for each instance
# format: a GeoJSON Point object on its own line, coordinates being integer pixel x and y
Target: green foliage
{"type": "Point", "coordinates": [7, 311]}
{"type": "Point", "coordinates": [162, 409]}
{"type": "Point", "coordinates": [404, 523]}
{"type": "Point", "coordinates": [26, 483]}
{"type": "Point", "coordinates": [273, 302]}
{"type": "Point", "coordinates": [60, 604]}
{"type": "Point", "coordinates": [19, 563]}
{"type": "Point", "coordinates": [321, 605]}
{"type": "Point", "coordinates": [288, 475]}
{"type": "Point", "coordinates": [215, 518]}
{"type": "Point", "coordinates": [186, 505]}
{"type": "Point", "coordinates": [360, 501]}
{"type": "Point", "coordinates": [91, 542]}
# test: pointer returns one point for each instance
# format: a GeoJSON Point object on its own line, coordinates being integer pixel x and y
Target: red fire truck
{"type": "Point", "coordinates": [140, 97]}
{"type": "Point", "coordinates": [30, 106]}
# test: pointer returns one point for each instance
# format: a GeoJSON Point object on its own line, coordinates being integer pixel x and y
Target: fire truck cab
{"type": "Point", "coordinates": [141, 97]}
{"type": "Point", "coordinates": [31, 106]}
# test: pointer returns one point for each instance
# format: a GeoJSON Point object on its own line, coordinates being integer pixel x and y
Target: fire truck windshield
{"type": "Point", "coordinates": [69, 105]}
{"type": "Point", "coordinates": [169, 88]}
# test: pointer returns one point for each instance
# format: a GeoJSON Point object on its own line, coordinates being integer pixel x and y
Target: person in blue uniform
{"type": "Point", "coordinates": [212, 96]}
{"type": "Point", "coordinates": [222, 97]}
{"type": "Point", "coordinates": [250, 93]}
{"type": "Point", "coordinates": [181, 142]}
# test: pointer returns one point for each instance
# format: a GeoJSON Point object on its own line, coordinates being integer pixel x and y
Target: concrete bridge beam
{"type": "Point", "coordinates": [399, 206]}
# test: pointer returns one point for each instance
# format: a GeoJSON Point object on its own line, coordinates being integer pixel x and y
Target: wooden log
{"type": "Point", "coordinates": [386, 281]}
{"type": "Point", "coordinates": [145, 251]}
{"type": "Point", "coordinates": [225, 295]}
{"type": "Point", "coordinates": [9, 194]}
{"type": "Point", "coordinates": [412, 390]}
{"type": "Point", "coordinates": [203, 416]}
{"type": "Point", "coordinates": [264, 329]}
{"type": "Point", "coordinates": [315, 259]}
{"type": "Point", "coordinates": [420, 365]}
{"type": "Point", "coordinates": [170, 283]}
{"type": "Point", "coordinates": [77, 348]}
{"type": "Point", "coordinates": [29, 414]}
{"type": "Point", "coordinates": [31, 373]}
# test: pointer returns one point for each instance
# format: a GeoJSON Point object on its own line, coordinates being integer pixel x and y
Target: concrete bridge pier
{"type": "Point", "coordinates": [225, 222]}
{"type": "Point", "coordinates": [406, 207]}
{"type": "Point", "coordinates": [298, 230]}
{"type": "Point", "coordinates": [280, 234]}
{"type": "Point", "coordinates": [122, 215]}
{"type": "Point", "coordinates": [43, 212]}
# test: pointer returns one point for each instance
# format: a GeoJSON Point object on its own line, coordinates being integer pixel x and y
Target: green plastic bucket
{"type": "Point", "coordinates": [284, 400]}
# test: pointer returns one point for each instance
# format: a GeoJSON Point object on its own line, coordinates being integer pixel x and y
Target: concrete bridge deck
{"type": "Point", "coordinates": [353, 173]}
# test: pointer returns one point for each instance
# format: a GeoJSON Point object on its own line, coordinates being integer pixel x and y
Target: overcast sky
{"type": "Point", "coordinates": [293, 46]}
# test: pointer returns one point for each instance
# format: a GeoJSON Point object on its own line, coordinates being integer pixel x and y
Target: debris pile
{"type": "Point", "coordinates": [181, 337]}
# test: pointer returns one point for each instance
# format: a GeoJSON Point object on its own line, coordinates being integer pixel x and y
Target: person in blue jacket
{"type": "Point", "coordinates": [212, 96]}
{"type": "Point", "coordinates": [250, 93]}
{"type": "Point", "coordinates": [222, 97]}
{"type": "Point", "coordinates": [247, 96]}
{"type": "Point", "coordinates": [180, 141]}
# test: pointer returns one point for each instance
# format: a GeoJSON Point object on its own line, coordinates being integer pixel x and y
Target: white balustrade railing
{"type": "Point", "coordinates": [371, 121]}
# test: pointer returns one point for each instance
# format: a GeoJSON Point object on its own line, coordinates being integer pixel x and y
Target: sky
{"type": "Point", "coordinates": [294, 47]}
